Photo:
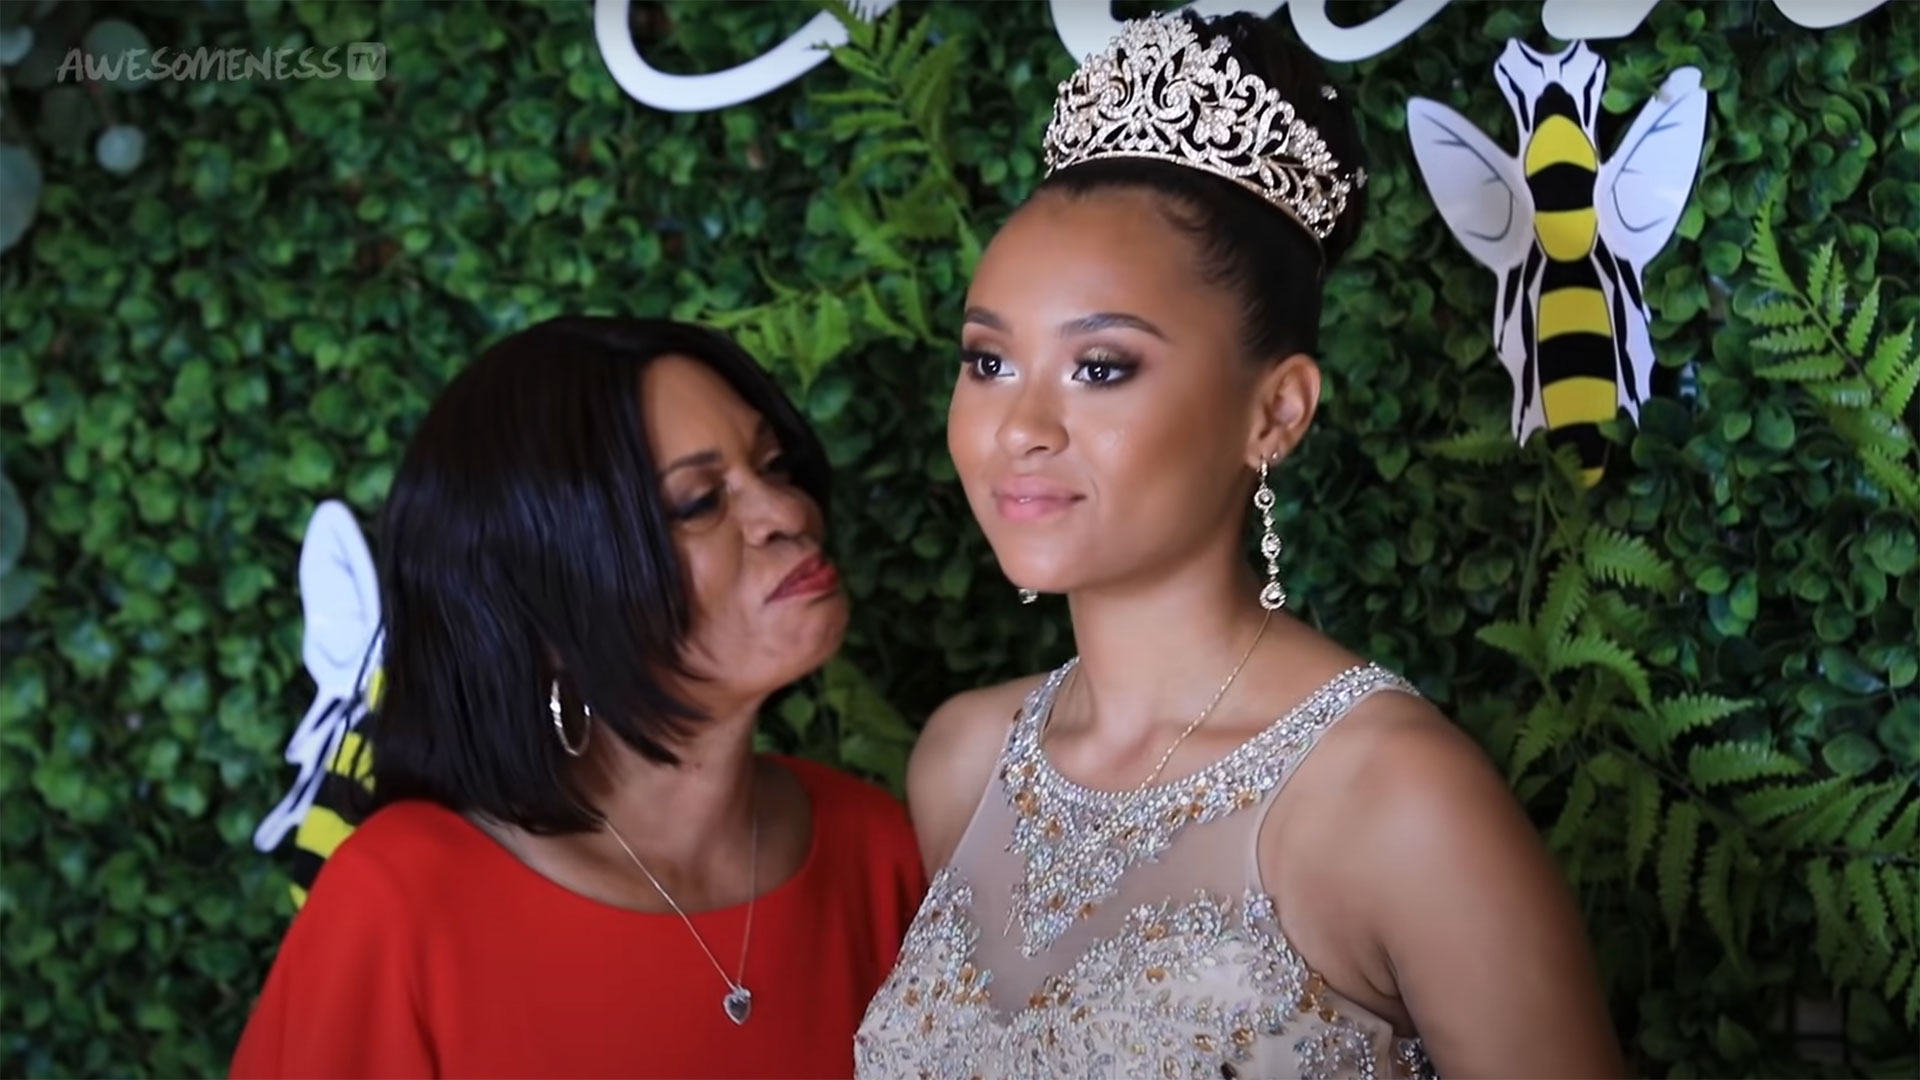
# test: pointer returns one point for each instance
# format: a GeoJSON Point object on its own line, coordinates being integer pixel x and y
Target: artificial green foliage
{"type": "Point", "coordinates": [1864, 382]}
{"type": "Point", "coordinates": [1700, 675]}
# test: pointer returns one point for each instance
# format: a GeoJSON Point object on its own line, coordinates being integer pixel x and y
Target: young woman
{"type": "Point", "coordinates": [601, 554]}
{"type": "Point", "coordinates": [1215, 844]}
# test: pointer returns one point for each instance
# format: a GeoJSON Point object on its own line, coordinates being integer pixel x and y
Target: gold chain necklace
{"type": "Point", "coordinates": [1119, 819]}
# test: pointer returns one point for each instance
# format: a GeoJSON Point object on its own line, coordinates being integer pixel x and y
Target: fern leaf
{"type": "Point", "coordinates": [1905, 829]}
{"type": "Point", "coordinates": [1827, 822]}
{"type": "Point", "coordinates": [1829, 919]}
{"type": "Point", "coordinates": [1737, 763]}
{"type": "Point", "coordinates": [928, 88]}
{"type": "Point", "coordinates": [1791, 341]}
{"type": "Point", "coordinates": [1887, 356]}
{"type": "Point", "coordinates": [1566, 599]}
{"type": "Point", "coordinates": [1872, 429]}
{"type": "Point", "coordinates": [1594, 650]}
{"type": "Point", "coordinates": [1766, 246]}
{"type": "Point", "coordinates": [859, 31]}
{"type": "Point", "coordinates": [1849, 393]}
{"type": "Point", "coordinates": [1481, 447]}
{"type": "Point", "coordinates": [1782, 800]}
{"type": "Point", "coordinates": [1897, 977]}
{"type": "Point", "coordinates": [1685, 712]}
{"type": "Point", "coordinates": [866, 122]}
{"type": "Point", "coordinates": [1913, 1002]}
{"type": "Point", "coordinates": [1545, 727]}
{"type": "Point", "coordinates": [873, 155]}
{"type": "Point", "coordinates": [1611, 555]}
{"type": "Point", "coordinates": [1896, 477]}
{"type": "Point", "coordinates": [1820, 272]}
{"type": "Point", "coordinates": [1675, 865]}
{"type": "Point", "coordinates": [1897, 394]}
{"type": "Point", "coordinates": [1865, 830]}
{"type": "Point", "coordinates": [1778, 313]}
{"type": "Point", "coordinates": [1863, 889]}
{"type": "Point", "coordinates": [1716, 893]}
{"type": "Point", "coordinates": [1509, 637]}
{"type": "Point", "coordinates": [874, 314]}
{"type": "Point", "coordinates": [1578, 807]}
{"type": "Point", "coordinates": [1816, 368]}
{"type": "Point", "coordinates": [907, 52]}
{"type": "Point", "coordinates": [1836, 298]}
{"type": "Point", "coordinates": [855, 96]}
{"type": "Point", "coordinates": [1643, 817]}
{"type": "Point", "coordinates": [1903, 893]}
{"type": "Point", "coordinates": [1860, 327]}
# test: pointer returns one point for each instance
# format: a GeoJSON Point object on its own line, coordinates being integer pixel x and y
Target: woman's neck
{"type": "Point", "coordinates": [682, 818]}
{"type": "Point", "coordinates": [1154, 655]}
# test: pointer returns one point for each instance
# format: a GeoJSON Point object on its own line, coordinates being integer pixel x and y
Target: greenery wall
{"type": "Point", "coordinates": [1701, 675]}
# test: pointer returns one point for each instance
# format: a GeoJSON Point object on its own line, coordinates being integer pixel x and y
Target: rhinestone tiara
{"type": "Point", "coordinates": [1157, 93]}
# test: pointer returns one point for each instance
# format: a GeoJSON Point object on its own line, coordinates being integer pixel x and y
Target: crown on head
{"type": "Point", "coordinates": [1156, 92]}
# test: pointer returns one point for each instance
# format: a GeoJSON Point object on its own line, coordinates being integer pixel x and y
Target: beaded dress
{"type": "Point", "coordinates": [1083, 933]}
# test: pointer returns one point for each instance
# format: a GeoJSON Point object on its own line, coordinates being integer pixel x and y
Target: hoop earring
{"type": "Point", "coordinates": [560, 725]}
{"type": "Point", "coordinates": [1028, 596]}
{"type": "Point", "coordinates": [1274, 596]}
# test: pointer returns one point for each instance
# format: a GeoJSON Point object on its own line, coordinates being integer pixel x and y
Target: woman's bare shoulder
{"type": "Point", "coordinates": [954, 758]}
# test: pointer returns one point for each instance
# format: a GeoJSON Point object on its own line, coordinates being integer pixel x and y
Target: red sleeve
{"type": "Point", "coordinates": [340, 1000]}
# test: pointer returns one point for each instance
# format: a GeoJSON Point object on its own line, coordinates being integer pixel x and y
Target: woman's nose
{"type": "Point", "coordinates": [1032, 423]}
{"type": "Point", "coordinates": [775, 510]}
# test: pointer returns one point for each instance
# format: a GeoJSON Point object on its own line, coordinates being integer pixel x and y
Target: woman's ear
{"type": "Point", "coordinates": [1285, 399]}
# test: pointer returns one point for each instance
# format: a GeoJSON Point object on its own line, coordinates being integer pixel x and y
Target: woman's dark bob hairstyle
{"type": "Point", "coordinates": [525, 542]}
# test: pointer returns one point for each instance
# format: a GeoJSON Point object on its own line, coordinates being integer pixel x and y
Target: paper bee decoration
{"type": "Point", "coordinates": [1568, 235]}
{"type": "Point", "coordinates": [340, 599]}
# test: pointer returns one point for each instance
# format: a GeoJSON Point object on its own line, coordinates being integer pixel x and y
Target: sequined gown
{"type": "Point", "coordinates": [1081, 933]}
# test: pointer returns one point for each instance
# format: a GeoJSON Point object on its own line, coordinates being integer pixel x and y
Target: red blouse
{"type": "Point", "coordinates": [427, 950]}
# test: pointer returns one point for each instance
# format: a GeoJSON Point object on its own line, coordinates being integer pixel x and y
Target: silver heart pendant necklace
{"type": "Point", "coordinates": [738, 1003]}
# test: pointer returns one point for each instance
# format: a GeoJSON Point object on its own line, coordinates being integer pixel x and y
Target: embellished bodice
{"type": "Point", "coordinates": [1086, 933]}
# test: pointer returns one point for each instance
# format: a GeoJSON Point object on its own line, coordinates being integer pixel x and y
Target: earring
{"type": "Point", "coordinates": [560, 725]}
{"type": "Point", "coordinates": [1028, 596]}
{"type": "Point", "coordinates": [1274, 596]}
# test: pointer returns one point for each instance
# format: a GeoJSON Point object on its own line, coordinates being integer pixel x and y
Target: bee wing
{"type": "Point", "coordinates": [1643, 187]}
{"type": "Point", "coordinates": [340, 599]}
{"type": "Point", "coordinates": [1477, 186]}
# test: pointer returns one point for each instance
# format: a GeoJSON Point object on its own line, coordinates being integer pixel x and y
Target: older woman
{"type": "Point", "coordinates": [601, 554]}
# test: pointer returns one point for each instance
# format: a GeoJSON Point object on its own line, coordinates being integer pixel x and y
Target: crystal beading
{"type": "Point", "coordinates": [1157, 93]}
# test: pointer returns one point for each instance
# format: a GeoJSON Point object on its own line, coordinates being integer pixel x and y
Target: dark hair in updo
{"type": "Point", "coordinates": [1244, 243]}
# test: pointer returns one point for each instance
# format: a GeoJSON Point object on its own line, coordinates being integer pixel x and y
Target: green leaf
{"type": "Point", "coordinates": [1864, 833]}
{"type": "Point", "coordinates": [1860, 327]}
{"type": "Point", "coordinates": [1545, 727]}
{"type": "Point", "coordinates": [1573, 815]}
{"type": "Point", "coordinates": [1820, 273]}
{"type": "Point", "coordinates": [1884, 367]}
{"type": "Point", "coordinates": [1736, 763]}
{"type": "Point", "coordinates": [1791, 341]}
{"type": "Point", "coordinates": [1483, 446]}
{"type": "Point", "coordinates": [1716, 894]}
{"type": "Point", "coordinates": [1863, 890]}
{"type": "Point", "coordinates": [1643, 817]}
{"type": "Point", "coordinates": [1614, 556]}
{"type": "Point", "coordinates": [1766, 248]}
{"type": "Point", "coordinates": [1566, 599]}
{"type": "Point", "coordinates": [1848, 393]}
{"type": "Point", "coordinates": [1778, 801]}
{"type": "Point", "coordinates": [1776, 313]}
{"type": "Point", "coordinates": [1903, 892]}
{"type": "Point", "coordinates": [1509, 637]}
{"type": "Point", "coordinates": [1851, 754]}
{"type": "Point", "coordinates": [1816, 368]}
{"type": "Point", "coordinates": [1601, 652]}
{"type": "Point", "coordinates": [1674, 868]}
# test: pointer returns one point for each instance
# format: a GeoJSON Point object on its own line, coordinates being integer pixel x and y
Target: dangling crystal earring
{"type": "Point", "coordinates": [1028, 596]}
{"type": "Point", "coordinates": [1274, 596]}
{"type": "Point", "coordinates": [560, 725]}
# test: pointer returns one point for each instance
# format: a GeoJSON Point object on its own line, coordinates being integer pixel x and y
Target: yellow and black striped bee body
{"type": "Point", "coordinates": [1568, 233]}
